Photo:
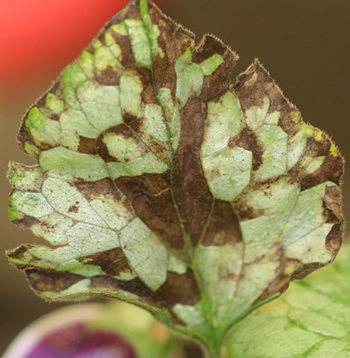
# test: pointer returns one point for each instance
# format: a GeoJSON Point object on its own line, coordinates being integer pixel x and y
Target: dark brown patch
{"type": "Point", "coordinates": [190, 187]}
{"type": "Point", "coordinates": [109, 76]}
{"type": "Point", "coordinates": [249, 141]}
{"type": "Point", "coordinates": [104, 188]}
{"type": "Point", "coordinates": [334, 239]}
{"type": "Point", "coordinates": [254, 85]}
{"type": "Point", "coordinates": [112, 262]}
{"type": "Point", "coordinates": [281, 283]}
{"type": "Point", "coordinates": [181, 289]}
{"type": "Point", "coordinates": [332, 168]}
{"type": "Point", "coordinates": [18, 253]}
{"type": "Point", "coordinates": [148, 94]}
{"type": "Point", "coordinates": [151, 197]}
{"type": "Point", "coordinates": [87, 145]}
{"type": "Point", "coordinates": [74, 209]}
{"type": "Point", "coordinates": [46, 280]}
{"type": "Point", "coordinates": [305, 270]}
{"type": "Point", "coordinates": [176, 289]}
{"type": "Point", "coordinates": [173, 41]}
{"type": "Point", "coordinates": [24, 136]}
{"type": "Point", "coordinates": [26, 223]}
{"type": "Point", "coordinates": [332, 201]}
{"type": "Point", "coordinates": [223, 226]}
{"type": "Point", "coordinates": [120, 130]}
{"type": "Point", "coordinates": [218, 82]}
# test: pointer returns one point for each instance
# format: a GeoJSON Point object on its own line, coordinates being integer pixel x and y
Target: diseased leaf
{"type": "Point", "coordinates": [162, 184]}
{"type": "Point", "coordinates": [312, 320]}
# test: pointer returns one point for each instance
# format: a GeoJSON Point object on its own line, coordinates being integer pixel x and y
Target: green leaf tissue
{"type": "Point", "coordinates": [162, 183]}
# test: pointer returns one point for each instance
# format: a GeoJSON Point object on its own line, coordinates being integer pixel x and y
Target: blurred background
{"type": "Point", "coordinates": [304, 45]}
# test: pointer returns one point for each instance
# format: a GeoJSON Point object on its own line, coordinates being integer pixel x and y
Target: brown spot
{"type": "Point", "coordinates": [332, 168]}
{"type": "Point", "coordinates": [46, 280]}
{"type": "Point", "coordinates": [133, 122]}
{"type": "Point", "coordinates": [181, 289]}
{"type": "Point", "coordinates": [103, 189]}
{"type": "Point", "coordinates": [254, 85]}
{"type": "Point", "coordinates": [123, 131]}
{"type": "Point", "coordinates": [223, 226]}
{"type": "Point", "coordinates": [26, 222]}
{"type": "Point", "coordinates": [215, 84]}
{"type": "Point", "coordinates": [112, 262]}
{"type": "Point", "coordinates": [249, 141]}
{"type": "Point", "coordinates": [87, 145]}
{"type": "Point", "coordinates": [148, 94]}
{"type": "Point", "coordinates": [190, 187]}
{"type": "Point", "coordinates": [109, 76]}
{"type": "Point", "coordinates": [74, 209]}
{"type": "Point", "coordinates": [173, 41]}
{"type": "Point", "coordinates": [334, 239]}
{"type": "Point", "coordinates": [281, 283]}
{"type": "Point", "coordinates": [151, 197]}
{"type": "Point", "coordinates": [305, 270]}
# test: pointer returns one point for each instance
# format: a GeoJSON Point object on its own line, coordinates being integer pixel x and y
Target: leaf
{"type": "Point", "coordinates": [312, 320]}
{"type": "Point", "coordinates": [162, 184]}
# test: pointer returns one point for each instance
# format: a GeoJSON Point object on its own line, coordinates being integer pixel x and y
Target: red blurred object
{"type": "Point", "coordinates": [41, 36]}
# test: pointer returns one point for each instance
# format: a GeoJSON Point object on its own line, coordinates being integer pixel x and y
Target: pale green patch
{"type": "Point", "coordinates": [68, 201]}
{"type": "Point", "coordinates": [274, 158]}
{"type": "Point", "coordinates": [311, 247]}
{"type": "Point", "coordinates": [193, 317]}
{"type": "Point", "coordinates": [78, 287]}
{"type": "Point", "coordinates": [140, 43]}
{"type": "Point", "coordinates": [123, 149]}
{"type": "Point", "coordinates": [104, 58]}
{"type": "Point", "coordinates": [154, 123]}
{"type": "Point", "coordinates": [314, 164]}
{"type": "Point", "coordinates": [147, 163]}
{"type": "Point", "coordinates": [296, 147]}
{"type": "Point", "coordinates": [273, 204]}
{"type": "Point", "coordinates": [307, 214]}
{"type": "Point", "coordinates": [54, 104]}
{"type": "Point", "coordinates": [14, 214]}
{"type": "Point", "coordinates": [219, 268]}
{"type": "Point", "coordinates": [100, 104]}
{"type": "Point", "coordinates": [53, 228]}
{"type": "Point", "coordinates": [65, 164]}
{"type": "Point", "coordinates": [31, 204]}
{"type": "Point", "coordinates": [256, 117]}
{"type": "Point", "coordinates": [24, 178]}
{"type": "Point", "coordinates": [89, 239]}
{"type": "Point", "coordinates": [224, 122]}
{"type": "Point", "coordinates": [172, 115]}
{"type": "Point", "coordinates": [145, 252]}
{"type": "Point", "coordinates": [209, 65]}
{"type": "Point", "coordinates": [70, 98]}
{"type": "Point", "coordinates": [130, 93]}
{"type": "Point", "coordinates": [120, 29]}
{"type": "Point", "coordinates": [31, 149]}
{"type": "Point", "coordinates": [74, 124]}
{"type": "Point", "coordinates": [189, 78]}
{"type": "Point", "coordinates": [113, 46]}
{"type": "Point", "coordinates": [113, 212]}
{"type": "Point", "coordinates": [87, 63]}
{"type": "Point", "coordinates": [228, 172]}
{"type": "Point", "coordinates": [152, 30]}
{"type": "Point", "coordinates": [57, 256]}
{"type": "Point", "coordinates": [73, 76]}
{"type": "Point", "coordinates": [311, 320]}
{"type": "Point", "coordinates": [43, 129]}
{"type": "Point", "coordinates": [176, 265]}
